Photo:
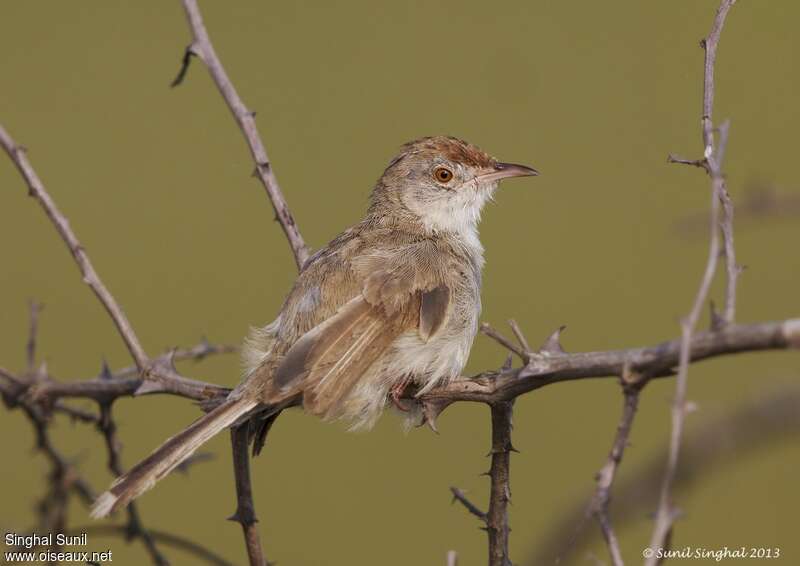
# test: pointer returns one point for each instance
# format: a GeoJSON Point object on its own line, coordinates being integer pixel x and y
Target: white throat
{"type": "Point", "coordinates": [457, 214]}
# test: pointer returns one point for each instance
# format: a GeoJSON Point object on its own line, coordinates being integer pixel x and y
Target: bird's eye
{"type": "Point", "coordinates": [443, 174]}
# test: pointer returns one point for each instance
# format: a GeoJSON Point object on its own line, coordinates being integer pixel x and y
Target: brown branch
{"type": "Point", "coordinates": [197, 353]}
{"type": "Point", "coordinates": [459, 496]}
{"type": "Point", "coordinates": [134, 528]}
{"type": "Point", "coordinates": [36, 189]}
{"type": "Point", "coordinates": [490, 331]}
{"type": "Point", "coordinates": [666, 513]}
{"type": "Point", "coordinates": [62, 468]}
{"type": "Point", "coordinates": [125, 382]}
{"type": "Point", "coordinates": [163, 375]}
{"type": "Point", "coordinates": [713, 445]}
{"type": "Point", "coordinates": [500, 492]}
{"type": "Point", "coordinates": [631, 387]}
{"type": "Point", "coordinates": [202, 47]}
{"type": "Point", "coordinates": [653, 361]}
{"type": "Point", "coordinates": [245, 513]}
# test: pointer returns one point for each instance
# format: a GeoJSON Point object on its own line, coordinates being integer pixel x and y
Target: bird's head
{"type": "Point", "coordinates": [443, 181]}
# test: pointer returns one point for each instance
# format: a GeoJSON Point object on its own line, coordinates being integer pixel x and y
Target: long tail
{"type": "Point", "coordinates": [166, 457]}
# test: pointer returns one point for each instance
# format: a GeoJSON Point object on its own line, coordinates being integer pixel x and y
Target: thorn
{"type": "Point", "coordinates": [717, 321]}
{"type": "Point", "coordinates": [148, 386]}
{"type": "Point", "coordinates": [431, 411]}
{"type": "Point", "coordinates": [509, 363]}
{"type": "Point", "coordinates": [186, 60]}
{"type": "Point", "coordinates": [553, 343]}
{"type": "Point", "coordinates": [105, 371]}
{"type": "Point", "coordinates": [167, 361]}
{"type": "Point", "coordinates": [236, 517]}
{"type": "Point", "coordinates": [41, 372]}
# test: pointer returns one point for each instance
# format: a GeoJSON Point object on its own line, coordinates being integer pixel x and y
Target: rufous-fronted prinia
{"type": "Point", "coordinates": [391, 302]}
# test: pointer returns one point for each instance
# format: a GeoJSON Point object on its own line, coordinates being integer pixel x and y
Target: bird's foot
{"type": "Point", "coordinates": [396, 394]}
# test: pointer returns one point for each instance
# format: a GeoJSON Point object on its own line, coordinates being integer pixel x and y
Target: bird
{"type": "Point", "coordinates": [392, 302]}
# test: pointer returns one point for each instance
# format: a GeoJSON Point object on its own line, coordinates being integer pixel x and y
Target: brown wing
{"type": "Point", "coordinates": [327, 362]}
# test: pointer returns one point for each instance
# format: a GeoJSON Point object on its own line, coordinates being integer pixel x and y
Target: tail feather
{"type": "Point", "coordinates": [166, 457]}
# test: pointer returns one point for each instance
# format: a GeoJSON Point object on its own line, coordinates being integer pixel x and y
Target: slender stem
{"type": "Point", "coordinates": [666, 512]}
{"type": "Point", "coordinates": [599, 506]}
{"type": "Point", "coordinates": [135, 527]}
{"type": "Point", "coordinates": [461, 497]}
{"type": "Point", "coordinates": [500, 494]}
{"type": "Point", "coordinates": [654, 361]}
{"type": "Point", "coordinates": [204, 49]}
{"type": "Point", "coordinates": [90, 277]}
{"type": "Point", "coordinates": [245, 513]}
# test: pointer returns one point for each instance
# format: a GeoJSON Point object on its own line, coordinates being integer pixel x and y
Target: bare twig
{"type": "Point", "coordinates": [666, 513]}
{"type": "Point", "coordinates": [713, 446]}
{"type": "Point", "coordinates": [500, 494]}
{"type": "Point", "coordinates": [605, 477]}
{"type": "Point", "coordinates": [201, 47]}
{"type": "Point", "coordinates": [490, 331]}
{"type": "Point", "coordinates": [164, 376]}
{"type": "Point", "coordinates": [245, 513]}
{"type": "Point", "coordinates": [63, 477]}
{"type": "Point", "coordinates": [135, 528]}
{"type": "Point", "coordinates": [654, 361]}
{"type": "Point", "coordinates": [36, 189]}
{"type": "Point", "coordinates": [520, 336]}
{"type": "Point", "coordinates": [459, 496]}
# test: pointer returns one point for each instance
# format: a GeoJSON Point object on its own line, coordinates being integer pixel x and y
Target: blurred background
{"type": "Point", "coordinates": [610, 240]}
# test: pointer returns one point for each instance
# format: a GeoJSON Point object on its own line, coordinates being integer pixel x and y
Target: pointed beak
{"type": "Point", "coordinates": [508, 170]}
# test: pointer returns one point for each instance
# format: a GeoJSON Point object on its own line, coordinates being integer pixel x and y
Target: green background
{"type": "Point", "coordinates": [610, 240]}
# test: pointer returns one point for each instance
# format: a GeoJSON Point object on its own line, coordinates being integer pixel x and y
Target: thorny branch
{"type": "Point", "coordinates": [64, 477]}
{"type": "Point", "coordinates": [631, 387]}
{"type": "Point", "coordinates": [715, 445]}
{"type": "Point", "coordinates": [202, 48]}
{"type": "Point", "coordinates": [500, 491]}
{"type": "Point", "coordinates": [40, 396]}
{"type": "Point", "coordinates": [134, 528]}
{"type": "Point", "coordinates": [461, 497]}
{"type": "Point", "coordinates": [713, 156]}
{"type": "Point", "coordinates": [245, 513]}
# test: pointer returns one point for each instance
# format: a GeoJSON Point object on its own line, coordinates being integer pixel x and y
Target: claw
{"type": "Point", "coordinates": [396, 394]}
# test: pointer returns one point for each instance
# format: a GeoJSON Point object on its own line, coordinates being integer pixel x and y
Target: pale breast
{"type": "Point", "coordinates": [443, 356]}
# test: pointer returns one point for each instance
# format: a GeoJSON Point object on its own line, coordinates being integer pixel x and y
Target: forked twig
{"type": "Point", "coordinates": [713, 155]}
